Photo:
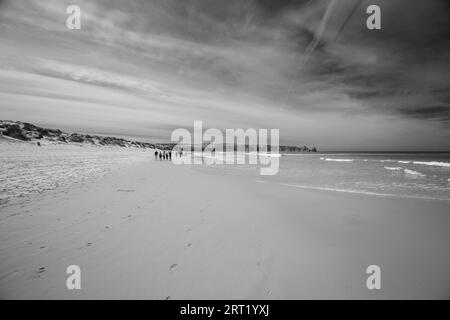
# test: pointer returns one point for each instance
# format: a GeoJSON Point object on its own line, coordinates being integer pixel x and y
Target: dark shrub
{"type": "Point", "coordinates": [15, 132]}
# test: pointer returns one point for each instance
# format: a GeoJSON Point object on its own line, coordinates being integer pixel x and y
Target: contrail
{"type": "Point", "coordinates": [324, 22]}
{"type": "Point", "coordinates": [347, 19]}
{"type": "Point", "coordinates": [312, 46]}
{"type": "Point", "coordinates": [321, 29]}
{"type": "Point", "coordinates": [319, 33]}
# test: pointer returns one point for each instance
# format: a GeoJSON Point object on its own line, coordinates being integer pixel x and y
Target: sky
{"type": "Point", "coordinates": [309, 68]}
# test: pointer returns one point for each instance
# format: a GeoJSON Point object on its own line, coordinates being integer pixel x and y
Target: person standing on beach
{"type": "Point", "coordinates": [160, 156]}
{"type": "Point", "coordinates": [156, 155]}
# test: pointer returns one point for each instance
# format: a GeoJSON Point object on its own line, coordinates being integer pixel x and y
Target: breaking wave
{"type": "Point", "coordinates": [413, 173]}
{"type": "Point", "coordinates": [433, 163]}
{"type": "Point", "coordinates": [337, 160]}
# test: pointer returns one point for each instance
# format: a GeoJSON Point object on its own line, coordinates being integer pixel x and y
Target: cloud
{"type": "Point", "coordinates": [97, 77]}
{"type": "Point", "coordinates": [254, 62]}
{"type": "Point", "coordinates": [431, 112]}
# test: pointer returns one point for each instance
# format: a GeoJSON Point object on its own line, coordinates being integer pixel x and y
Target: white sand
{"type": "Point", "coordinates": [224, 237]}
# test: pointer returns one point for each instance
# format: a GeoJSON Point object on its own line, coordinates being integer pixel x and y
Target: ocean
{"type": "Point", "coordinates": [26, 169]}
{"type": "Point", "coordinates": [409, 175]}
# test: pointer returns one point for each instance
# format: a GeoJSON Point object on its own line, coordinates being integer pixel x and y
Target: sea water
{"type": "Point", "coordinates": [410, 175]}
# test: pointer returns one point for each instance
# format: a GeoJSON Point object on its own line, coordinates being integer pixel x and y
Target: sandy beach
{"type": "Point", "coordinates": [153, 230]}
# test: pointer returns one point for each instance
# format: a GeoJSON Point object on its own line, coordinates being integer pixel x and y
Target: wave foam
{"type": "Point", "coordinates": [433, 163]}
{"type": "Point", "coordinates": [337, 160]}
{"type": "Point", "coordinates": [414, 173]}
{"type": "Point", "coordinates": [368, 193]}
{"type": "Point", "coordinates": [393, 168]}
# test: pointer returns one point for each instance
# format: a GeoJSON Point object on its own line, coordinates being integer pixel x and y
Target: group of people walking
{"type": "Point", "coordinates": [167, 155]}
{"type": "Point", "coordinates": [163, 155]}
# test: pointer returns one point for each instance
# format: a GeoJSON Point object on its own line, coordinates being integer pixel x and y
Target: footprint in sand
{"type": "Point", "coordinates": [172, 267]}
{"type": "Point", "coordinates": [87, 245]}
{"type": "Point", "coordinates": [261, 274]}
{"type": "Point", "coordinates": [38, 273]}
{"type": "Point", "coordinates": [167, 298]}
{"type": "Point", "coordinates": [125, 190]}
{"type": "Point", "coordinates": [204, 208]}
{"type": "Point", "coordinates": [42, 248]}
{"type": "Point", "coordinates": [188, 245]}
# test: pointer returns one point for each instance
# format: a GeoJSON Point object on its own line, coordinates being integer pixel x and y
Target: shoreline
{"type": "Point", "coordinates": [223, 238]}
{"type": "Point", "coordinates": [355, 192]}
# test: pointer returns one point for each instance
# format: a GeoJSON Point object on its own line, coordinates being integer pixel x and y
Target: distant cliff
{"type": "Point", "coordinates": [29, 132]}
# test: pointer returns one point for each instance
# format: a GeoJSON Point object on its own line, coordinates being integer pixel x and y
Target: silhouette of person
{"type": "Point", "coordinates": [170, 155]}
{"type": "Point", "coordinates": [160, 156]}
{"type": "Point", "coordinates": [156, 155]}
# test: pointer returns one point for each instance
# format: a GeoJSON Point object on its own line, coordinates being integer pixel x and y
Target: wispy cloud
{"type": "Point", "coordinates": [97, 77]}
{"type": "Point", "coordinates": [256, 62]}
